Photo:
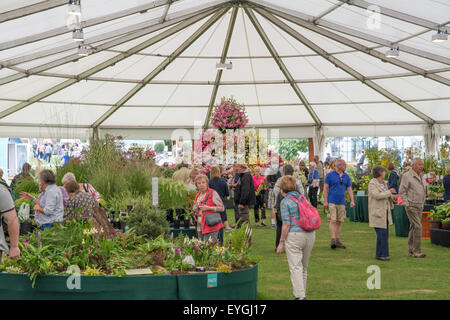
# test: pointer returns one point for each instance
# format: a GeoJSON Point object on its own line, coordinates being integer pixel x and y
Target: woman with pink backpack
{"type": "Point", "coordinates": [300, 220]}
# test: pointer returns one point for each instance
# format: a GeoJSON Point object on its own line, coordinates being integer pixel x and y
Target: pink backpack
{"type": "Point", "coordinates": [309, 216]}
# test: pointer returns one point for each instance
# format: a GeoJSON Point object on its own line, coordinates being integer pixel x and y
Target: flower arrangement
{"type": "Point", "coordinates": [229, 114]}
{"type": "Point", "coordinates": [261, 187]}
{"type": "Point", "coordinates": [364, 184]}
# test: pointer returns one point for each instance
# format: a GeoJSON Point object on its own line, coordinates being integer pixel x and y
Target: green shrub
{"type": "Point", "coordinates": [27, 185]}
{"type": "Point", "coordinates": [139, 182]}
{"type": "Point", "coordinates": [172, 194]}
{"type": "Point", "coordinates": [109, 182]}
{"type": "Point", "coordinates": [148, 221]}
{"type": "Point", "coordinates": [79, 170]}
{"type": "Point", "coordinates": [159, 147]}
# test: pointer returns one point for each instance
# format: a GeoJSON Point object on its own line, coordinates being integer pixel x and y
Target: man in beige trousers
{"type": "Point", "coordinates": [413, 192]}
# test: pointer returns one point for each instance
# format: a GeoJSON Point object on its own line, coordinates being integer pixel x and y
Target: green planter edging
{"type": "Point", "coordinates": [238, 285]}
{"type": "Point", "coordinates": [190, 232]}
{"type": "Point", "coordinates": [241, 284]}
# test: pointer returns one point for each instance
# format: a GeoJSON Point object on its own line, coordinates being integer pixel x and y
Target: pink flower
{"type": "Point", "coordinates": [67, 255]}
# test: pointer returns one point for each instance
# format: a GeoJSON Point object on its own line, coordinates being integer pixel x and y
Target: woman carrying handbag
{"type": "Point", "coordinates": [207, 208]}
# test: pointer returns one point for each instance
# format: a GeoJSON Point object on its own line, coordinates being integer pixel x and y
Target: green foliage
{"type": "Point", "coordinates": [139, 182]}
{"type": "Point", "coordinates": [172, 194]}
{"type": "Point", "coordinates": [19, 202]}
{"type": "Point", "coordinates": [435, 190]}
{"type": "Point", "coordinates": [159, 147]}
{"type": "Point", "coordinates": [374, 157]}
{"type": "Point", "coordinates": [168, 143]}
{"type": "Point", "coordinates": [440, 212]}
{"type": "Point", "coordinates": [240, 237]}
{"type": "Point", "coordinates": [168, 172]}
{"type": "Point", "coordinates": [108, 182]}
{"type": "Point", "coordinates": [147, 221]}
{"type": "Point", "coordinates": [26, 185]}
{"type": "Point", "coordinates": [290, 148]}
{"type": "Point", "coordinates": [78, 169]}
{"type": "Point", "coordinates": [103, 153]}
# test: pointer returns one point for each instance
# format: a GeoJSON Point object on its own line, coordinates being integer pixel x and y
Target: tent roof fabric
{"type": "Point", "coordinates": [296, 65]}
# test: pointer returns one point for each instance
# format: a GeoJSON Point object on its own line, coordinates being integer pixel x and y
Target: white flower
{"type": "Point", "coordinates": [82, 242]}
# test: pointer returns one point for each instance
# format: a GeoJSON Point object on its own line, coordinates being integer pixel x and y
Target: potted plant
{"type": "Point", "coordinates": [435, 221]}
{"type": "Point", "coordinates": [26, 226]}
{"type": "Point", "coordinates": [187, 219]}
{"type": "Point", "coordinates": [446, 223]}
{"type": "Point", "coordinates": [438, 214]}
{"type": "Point", "coordinates": [176, 220]}
{"type": "Point", "coordinates": [123, 221]}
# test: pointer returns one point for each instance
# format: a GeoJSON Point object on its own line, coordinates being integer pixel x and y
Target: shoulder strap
{"type": "Point", "coordinates": [85, 187]}
{"type": "Point", "coordinates": [206, 197]}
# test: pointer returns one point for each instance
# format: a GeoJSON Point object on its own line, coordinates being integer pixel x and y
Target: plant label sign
{"type": "Point", "coordinates": [212, 280]}
{"type": "Point", "coordinates": [155, 191]}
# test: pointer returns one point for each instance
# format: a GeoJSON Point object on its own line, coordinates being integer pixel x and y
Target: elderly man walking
{"type": "Point", "coordinates": [413, 192]}
{"type": "Point", "coordinates": [336, 183]}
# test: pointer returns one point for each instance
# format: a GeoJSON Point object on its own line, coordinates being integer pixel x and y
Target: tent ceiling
{"type": "Point", "coordinates": [295, 64]}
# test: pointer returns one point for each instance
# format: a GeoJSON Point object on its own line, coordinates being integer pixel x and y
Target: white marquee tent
{"type": "Point", "coordinates": [312, 68]}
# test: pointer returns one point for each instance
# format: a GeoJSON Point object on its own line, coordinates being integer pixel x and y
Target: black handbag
{"type": "Point", "coordinates": [211, 219]}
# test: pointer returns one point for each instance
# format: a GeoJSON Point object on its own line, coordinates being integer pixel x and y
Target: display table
{"type": "Point", "coordinates": [237, 285]}
{"type": "Point", "coordinates": [362, 208]}
{"type": "Point", "coordinates": [360, 212]}
{"type": "Point", "coordinates": [401, 221]}
{"type": "Point", "coordinates": [350, 212]}
{"type": "Point", "coordinates": [190, 232]}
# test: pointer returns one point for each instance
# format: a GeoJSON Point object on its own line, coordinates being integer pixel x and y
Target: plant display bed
{"type": "Point", "coordinates": [440, 237]}
{"type": "Point", "coordinates": [240, 284]}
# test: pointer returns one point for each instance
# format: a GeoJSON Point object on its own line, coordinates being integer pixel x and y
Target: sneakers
{"type": "Point", "coordinates": [340, 245]}
{"type": "Point", "coordinates": [333, 244]}
{"type": "Point", "coordinates": [300, 298]}
{"type": "Point", "coordinates": [417, 255]}
{"type": "Point", "coordinates": [263, 224]}
{"type": "Point", "coordinates": [383, 258]}
{"type": "Point", "coordinates": [229, 230]}
{"type": "Point", "coordinates": [273, 226]}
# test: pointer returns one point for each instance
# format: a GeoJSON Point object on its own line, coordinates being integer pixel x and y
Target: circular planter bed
{"type": "Point", "coordinates": [440, 237]}
{"type": "Point", "coordinates": [240, 284]}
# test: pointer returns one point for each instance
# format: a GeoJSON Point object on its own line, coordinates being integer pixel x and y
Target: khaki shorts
{"type": "Point", "coordinates": [336, 212]}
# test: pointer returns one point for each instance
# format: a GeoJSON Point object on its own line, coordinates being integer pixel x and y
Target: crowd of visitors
{"type": "Point", "coordinates": [273, 189]}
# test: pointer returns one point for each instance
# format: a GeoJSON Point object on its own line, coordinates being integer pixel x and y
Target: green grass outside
{"type": "Point", "coordinates": [342, 273]}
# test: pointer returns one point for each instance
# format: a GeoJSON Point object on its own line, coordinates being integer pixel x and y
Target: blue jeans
{"type": "Point", "coordinates": [46, 226]}
{"type": "Point", "coordinates": [382, 242]}
{"type": "Point", "coordinates": [223, 215]}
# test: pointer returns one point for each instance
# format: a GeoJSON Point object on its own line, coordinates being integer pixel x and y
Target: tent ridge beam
{"type": "Point", "coordinates": [85, 24]}
{"type": "Point", "coordinates": [106, 104]}
{"type": "Point", "coordinates": [328, 11]}
{"type": "Point", "coordinates": [282, 66]}
{"type": "Point", "coordinates": [222, 60]}
{"type": "Point", "coordinates": [377, 77]}
{"type": "Point", "coordinates": [305, 24]}
{"type": "Point", "coordinates": [152, 26]}
{"type": "Point", "coordinates": [187, 22]}
{"type": "Point", "coordinates": [395, 14]}
{"type": "Point", "coordinates": [305, 21]}
{"type": "Point", "coordinates": [31, 9]}
{"type": "Point", "coordinates": [296, 35]}
{"type": "Point", "coordinates": [161, 66]}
